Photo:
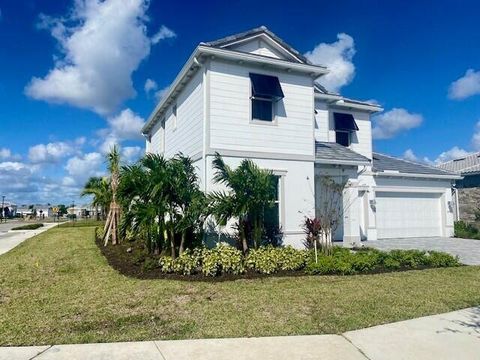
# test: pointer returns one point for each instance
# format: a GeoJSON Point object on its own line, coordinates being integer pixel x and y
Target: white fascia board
{"type": "Point", "coordinates": [341, 162]}
{"type": "Point", "coordinates": [269, 38]}
{"type": "Point", "coordinates": [425, 176]}
{"type": "Point", "coordinates": [341, 102]}
{"type": "Point", "coordinates": [314, 70]}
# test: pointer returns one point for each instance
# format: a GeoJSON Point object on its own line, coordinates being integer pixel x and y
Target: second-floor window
{"type": "Point", "coordinates": [345, 126]}
{"type": "Point", "coordinates": [266, 91]}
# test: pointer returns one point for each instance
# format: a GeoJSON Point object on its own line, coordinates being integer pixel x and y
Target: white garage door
{"type": "Point", "coordinates": [404, 215]}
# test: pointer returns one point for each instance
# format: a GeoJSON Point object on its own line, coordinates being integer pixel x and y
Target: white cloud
{"type": "Point", "coordinates": [132, 153]}
{"type": "Point", "coordinates": [125, 126]}
{"type": "Point", "coordinates": [393, 122]}
{"type": "Point", "coordinates": [163, 33]}
{"type": "Point", "coordinates": [476, 137]}
{"type": "Point", "coordinates": [410, 155]}
{"type": "Point", "coordinates": [81, 167]}
{"type": "Point", "coordinates": [454, 153]}
{"type": "Point", "coordinates": [468, 85]}
{"type": "Point", "coordinates": [5, 153]}
{"type": "Point", "coordinates": [160, 94]}
{"type": "Point", "coordinates": [337, 57]}
{"type": "Point", "coordinates": [102, 43]}
{"type": "Point", "coordinates": [49, 153]}
{"type": "Point", "coordinates": [150, 85]}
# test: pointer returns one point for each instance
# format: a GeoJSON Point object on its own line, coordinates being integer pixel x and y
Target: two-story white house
{"type": "Point", "coordinates": [253, 96]}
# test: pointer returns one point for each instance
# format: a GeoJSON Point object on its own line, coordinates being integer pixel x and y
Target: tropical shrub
{"type": "Point", "coordinates": [465, 230]}
{"type": "Point", "coordinates": [268, 259]}
{"type": "Point", "coordinates": [346, 262]}
{"type": "Point", "coordinates": [223, 259]}
{"type": "Point", "coordinates": [439, 259]}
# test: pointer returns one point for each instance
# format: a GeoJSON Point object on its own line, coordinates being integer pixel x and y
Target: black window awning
{"type": "Point", "coordinates": [266, 87]}
{"type": "Point", "coordinates": [344, 122]}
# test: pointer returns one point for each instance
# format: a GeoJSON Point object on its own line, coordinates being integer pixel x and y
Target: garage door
{"type": "Point", "coordinates": [404, 215]}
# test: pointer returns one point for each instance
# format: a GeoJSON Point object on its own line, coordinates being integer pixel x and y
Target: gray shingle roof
{"type": "Point", "coordinates": [465, 165]}
{"type": "Point", "coordinates": [382, 163]}
{"type": "Point", "coordinates": [262, 29]}
{"type": "Point", "coordinates": [330, 152]}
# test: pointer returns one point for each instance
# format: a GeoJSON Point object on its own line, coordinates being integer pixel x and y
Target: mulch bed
{"type": "Point", "coordinates": [131, 264]}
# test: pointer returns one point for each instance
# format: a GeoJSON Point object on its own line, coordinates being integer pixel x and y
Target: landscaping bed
{"type": "Point", "coordinates": [28, 227]}
{"type": "Point", "coordinates": [226, 263]}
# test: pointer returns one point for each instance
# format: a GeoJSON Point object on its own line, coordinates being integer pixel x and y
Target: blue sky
{"type": "Point", "coordinates": [73, 75]}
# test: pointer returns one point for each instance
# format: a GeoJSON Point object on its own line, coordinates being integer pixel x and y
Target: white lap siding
{"type": "Point", "coordinates": [231, 127]}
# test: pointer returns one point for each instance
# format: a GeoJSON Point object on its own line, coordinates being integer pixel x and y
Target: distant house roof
{"type": "Point", "coordinates": [465, 165]}
{"type": "Point", "coordinates": [333, 153]}
{"type": "Point", "coordinates": [388, 164]}
{"type": "Point", "coordinates": [252, 32]}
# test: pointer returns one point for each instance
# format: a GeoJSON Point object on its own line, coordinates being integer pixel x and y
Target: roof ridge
{"type": "Point", "coordinates": [414, 163]}
{"type": "Point", "coordinates": [259, 29]}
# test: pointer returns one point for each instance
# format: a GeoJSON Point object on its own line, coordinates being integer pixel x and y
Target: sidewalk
{"type": "Point", "coordinates": [12, 238]}
{"type": "Point", "coordinates": [454, 335]}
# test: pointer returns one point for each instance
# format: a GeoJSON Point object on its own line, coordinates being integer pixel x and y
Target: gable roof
{"type": "Point", "coordinates": [228, 40]}
{"type": "Point", "coordinates": [333, 153]}
{"type": "Point", "coordinates": [465, 165]}
{"type": "Point", "coordinates": [390, 165]}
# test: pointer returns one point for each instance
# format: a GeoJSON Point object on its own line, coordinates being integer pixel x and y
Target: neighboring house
{"type": "Point", "coordinates": [253, 96]}
{"type": "Point", "coordinates": [9, 209]}
{"type": "Point", "coordinates": [467, 190]}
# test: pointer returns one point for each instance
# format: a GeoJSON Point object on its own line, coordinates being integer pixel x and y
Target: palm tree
{"type": "Point", "coordinates": [162, 200]}
{"type": "Point", "coordinates": [144, 195]}
{"type": "Point", "coordinates": [251, 191]}
{"type": "Point", "coordinates": [99, 188]}
{"type": "Point", "coordinates": [113, 218]}
{"type": "Point", "coordinates": [188, 201]}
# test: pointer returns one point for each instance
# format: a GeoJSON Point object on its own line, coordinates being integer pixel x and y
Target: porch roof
{"type": "Point", "coordinates": [385, 164]}
{"type": "Point", "coordinates": [333, 153]}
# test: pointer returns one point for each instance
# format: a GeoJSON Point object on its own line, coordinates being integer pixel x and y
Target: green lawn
{"type": "Point", "coordinates": [58, 288]}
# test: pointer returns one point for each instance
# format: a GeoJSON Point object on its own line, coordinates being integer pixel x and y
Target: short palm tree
{"type": "Point", "coordinates": [99, 188]}
{"type": "Point", "coordinates": [251, 191]}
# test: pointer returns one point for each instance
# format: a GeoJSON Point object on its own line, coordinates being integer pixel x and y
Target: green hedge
{"type": "Point", "coordinates": [466, 231]}
{"type": "Point", "coordinates": [28, 227]}
{"type": "Point", "coordinates": [225, 259]}
{"type": "Point", "coordinates": [347, 262]}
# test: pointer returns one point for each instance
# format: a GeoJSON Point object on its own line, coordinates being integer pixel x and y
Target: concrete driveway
{"type": "Point", "coordinates": [467, 250]}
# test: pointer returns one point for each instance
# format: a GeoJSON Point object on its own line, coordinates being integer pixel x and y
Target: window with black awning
{"type": "Point", "coordinates": [266, 87]}
{"type": "Point", "coordinates": [344, 122]}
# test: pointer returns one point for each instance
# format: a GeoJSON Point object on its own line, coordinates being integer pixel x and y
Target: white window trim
{"type": "Point", "coordinates": [274, 121]}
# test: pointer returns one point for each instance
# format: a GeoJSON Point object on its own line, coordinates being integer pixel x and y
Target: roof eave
{"type": "Point", "coordinates": [343, 162]}
{"type": "Point", "coordinates": [416, 175]}
{"type": "Point", "coordinates": [314, 70]}
{"type": "Point", "coordinates": [341, 102]}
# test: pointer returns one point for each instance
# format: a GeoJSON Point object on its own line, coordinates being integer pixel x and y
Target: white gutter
{"type": "Point", "coordinates": [313, 70]}
{"type": "Point", "coordinates": [408, 175]}
{"type": "Point", "coordinates": [340, 101]}
{"type": "Point", "coordinates": [342, 162]}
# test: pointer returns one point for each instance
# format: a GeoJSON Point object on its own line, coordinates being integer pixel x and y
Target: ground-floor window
{"type": "Point", "coordinates": [273, 215]}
